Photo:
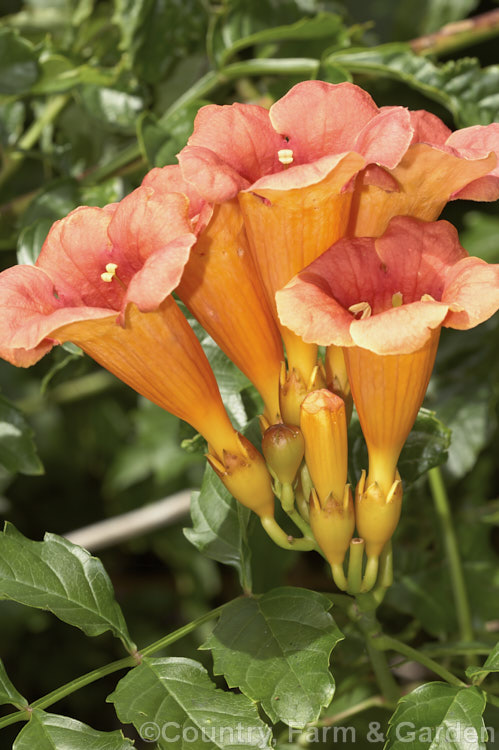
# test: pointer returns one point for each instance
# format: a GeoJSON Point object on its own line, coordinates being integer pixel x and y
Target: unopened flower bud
{"type": "Point", "coordinates": [283, 447]}
{"type": "Point", "coordinates": [333, 524]}
{"type": "Point", "coordinates": [245, 475]}
{"type": "Point", "coordinates": [377, 514]}
{"type": "Point", "coordinates": [323, 423]}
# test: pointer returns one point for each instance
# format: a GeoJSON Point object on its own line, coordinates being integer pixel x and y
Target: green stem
{"type": "Point", "coordinates": [167, 640]}
{"type": "Point", "coordinates": [384, 677]}
{"type": "Point", "coordinates": [386, 643]}
{"type": "Point", "coordinates": [442, 507]}
{"type": "Point", "coordinates": [370, 575]}
{"type": "Point", "coordinates": [115, 666]}
{"type": "Point", "coordinates": [370, 628]}
{"type": "Point", "coordinates": [355, 560]}
{"type": "Point", "coordinates": [284, 540]}
{"type": "Point", "coordinates": [52, 109]}
{"type": "Point", "coordinates": [365, 705]}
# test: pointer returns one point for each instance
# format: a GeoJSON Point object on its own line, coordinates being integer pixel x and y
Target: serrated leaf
{"type": "Point", "coordinates": [468, 91]}
{"type": "Point", "coordinates": [477, 674]}
{"type": "Point", "coordinates": [18, 63]}
{"type": "Point", "coordinates": [426, 446]}
{"type": "Point", "coordinates": [275, 649]}
{"type": "Point", "coordinates": [46, 731]}
{"type": "Point", "coordinates": [17, 447]}
{"type": "Point", "coordinates": [174, 702]}
{"type": "Point", "coordinates": [437, 716]}
{"type": "Point", "coordinates": [63, 578]}
{"type": "Point", "coordinates": [8, 693]}
{"type": "Point", "coordinates": [219, 526]}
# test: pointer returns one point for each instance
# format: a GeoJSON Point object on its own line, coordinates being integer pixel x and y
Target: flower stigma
{"type": "Point", "coordinates": [285, 156]}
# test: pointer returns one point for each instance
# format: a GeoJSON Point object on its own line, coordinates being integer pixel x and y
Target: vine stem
{"type": "Point", "coordinates": [443, 510]}
{"type": "Point", "coordinates": [52, 110]}
{"type": "Point", "coordinates": [370, 629]}
{"type": "Point", "coordinates": [115, 666]}
{"type": "Point", "coordinates": [386, 642]}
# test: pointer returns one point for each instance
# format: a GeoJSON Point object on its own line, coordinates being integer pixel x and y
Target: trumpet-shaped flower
{"type": "Point", "coordinates": [292, 169]}
{"type": "Point", "coordinates": [219, 265]}
{"type": "Point", "coordinates": [439, 166]}
{"type": "Point", "coordinates": [384, 301]}
{"type": "Point", "coordinates": [103, 281]}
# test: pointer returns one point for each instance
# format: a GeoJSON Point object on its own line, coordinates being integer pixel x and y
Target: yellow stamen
{"type": "Point", "coordinates": [428, 298]}
{"type": "Point", "coordinates": [397, 299]}
{"type": "Point", "coordinates": [111, 274]}
{"type": "Point", "coordinates": [285, 156]}
{"type": "Point", "coordinates": [361, 307]}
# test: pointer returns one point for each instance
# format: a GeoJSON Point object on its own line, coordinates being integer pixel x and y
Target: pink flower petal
{"type": "Point", "coordinates": [75, 255]}
{"type": "Point", "coordinates": [428, 128]}
{"type": "Point", "coordinates": [385, 139]}
{"type": "Point", "coordinates": [160, 274]}
{"type": "Point", "coordinates": [169, 179]}
{"type": "Point", "coordinates": [474, 143]}
{"type": "Point", "coordinates": [320, 119]}
{"type": "Point", "coordinates": [213, 179]}
{"type": "Point", "coordinates": [472, 293]}
{"type": "Point", "coordinates": [416, 256]}
{"type": "Point", "coordinates": [306, 307]}
{"type": "Point", "coordinates": [30, 313]}
{"type": "Point", "coordinates": [242, 138]}
{"type": "Point", "coordinates": [400, 330]}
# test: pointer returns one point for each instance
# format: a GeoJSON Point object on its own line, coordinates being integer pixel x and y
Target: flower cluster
{"type": "Point", "coordinates": [310, 224]}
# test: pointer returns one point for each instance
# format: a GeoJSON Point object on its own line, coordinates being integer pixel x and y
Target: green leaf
{"type": "Point", "coordinates": [220, 526]}
{"type": "Point", "coordinates": [477, 674]}
{"type": "Point", "coordinates": [18, 63]}
{"type": "Point", "coordinates": [174, 702]}
{"type": "Point", "coordinates": [466, 90]}
{"type": "Point", "coordinates": [17, 447]}
{"type": "Point", "coordinates": [426, 446]}
{"type": "Point", "coordinates": [275, 649]}
{"type": "Point", "coordinates": [437, 716]}
{"type": "Point", "coordinates": [160, 141]}
{"type": "Point", "coordinates": [31, 239]}
{"type": "Point", "coordinates": [114, 109]}
{"type": "Point", "coordinates": [8, 693]}
{"type": "Point", "coordinates": [322, 25]}
{"type": "Point", "coordinates": [12, 114]}
{"type": "Point", "coordinates": [155, 34]}
{"type": "Point", "coordinates": [63, 578]}
{"type": "Point", "coordinates": [52, 732]}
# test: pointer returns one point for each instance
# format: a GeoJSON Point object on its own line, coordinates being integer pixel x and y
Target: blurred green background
{"type": "Point", "coordinates": [93, 93]}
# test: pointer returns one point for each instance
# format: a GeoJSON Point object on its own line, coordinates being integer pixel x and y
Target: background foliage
{"type": "Point", "coordinates": [93, 93]}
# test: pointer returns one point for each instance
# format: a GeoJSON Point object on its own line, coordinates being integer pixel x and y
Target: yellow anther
{"type": "Point", "coordinates": [428, 298]}
{"type": "Point", "coordinates": [361, 307]}
{"type": "Point", "coordinates": [397, 299]}
{"type": "Point", "coordinates": [110, 272]}
{"type": "Point", "coordinates": [285, 156]}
